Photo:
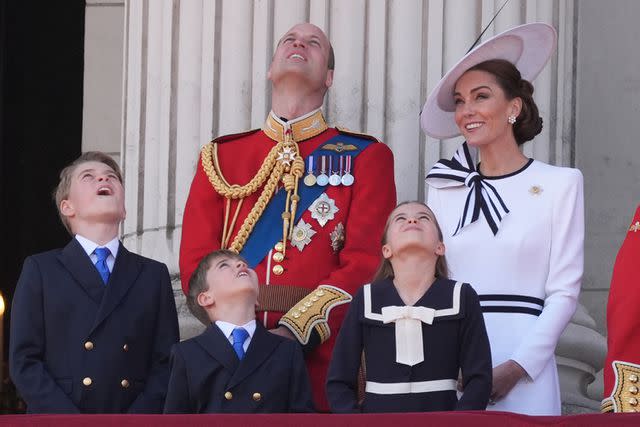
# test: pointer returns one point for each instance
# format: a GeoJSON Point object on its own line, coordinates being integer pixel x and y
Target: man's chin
{"type": "Point", "coordinates": [294, 73]}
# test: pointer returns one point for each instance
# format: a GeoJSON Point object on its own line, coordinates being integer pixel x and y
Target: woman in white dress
{"type": "Point", "coordinates": [513, 226]}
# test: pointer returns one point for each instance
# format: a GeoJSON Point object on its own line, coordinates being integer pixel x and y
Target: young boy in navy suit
{"type": "Point", "coordinates": [235, 365]}
{"type": "Point", "coordinates": [92, 324]}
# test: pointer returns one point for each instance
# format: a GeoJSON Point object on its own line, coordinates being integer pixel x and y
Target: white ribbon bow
{"type": "Point", "coordinates": [408, 320]}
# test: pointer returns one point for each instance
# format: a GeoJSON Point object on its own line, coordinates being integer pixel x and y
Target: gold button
{"type": "Point", "coordinates": [278, 269]}
{"type": "Point", "coordinates": [279, 247]}
{"type": "Point", "coordinates": [228, 395]}
{"type": "Point", "coordinates": [319, 292]}
{"type": "Point", "coordinates": [633, 389]}
{"type": "Point", "coordinates": [633, 401]}
{"type": "Point", "coordinates": [278, 257]}
{"type": "Point", "coordinates": [87, 381]}
{"type": "Point", "coordinates": [88, 345]}
{"type": "Point", "coordinates": [257, 397]}
{"type": "Point", "coordinates": [124, 383]}
{"type": "Point", "coordinates": [125, 347]}
{"type": "Point", "coordinates": [633, 378]}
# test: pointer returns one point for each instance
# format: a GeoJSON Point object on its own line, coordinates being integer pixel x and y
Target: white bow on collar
{"type": "Point", "coordinates": [408, 320]}
{"type": "Point", "coordinates": [482, 196]}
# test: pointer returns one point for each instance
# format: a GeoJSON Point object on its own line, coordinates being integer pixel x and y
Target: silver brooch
{"type": "Point", "coordinates": [337, 237]}
{"type": "Point", "coordinates": [536, 190]}
{"type": "Point", "coordinates": [301, 235]}
{"type": "Point", "coordinates": [323, 209]}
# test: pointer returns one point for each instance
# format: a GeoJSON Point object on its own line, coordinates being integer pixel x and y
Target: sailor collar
{"type": "Point", "coordinates": [409, 320]}
{"type": "Point", "coordinates": [303, 127]}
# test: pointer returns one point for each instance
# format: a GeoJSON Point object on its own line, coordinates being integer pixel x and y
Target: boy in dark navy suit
{"type": "Point", "coordinates": [92, 324]}
{"type": "Point", "coordinates": [235, 365]}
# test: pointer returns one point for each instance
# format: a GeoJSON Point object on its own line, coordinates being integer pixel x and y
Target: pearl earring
{"type": "Point", "coordinates": [511, 119]}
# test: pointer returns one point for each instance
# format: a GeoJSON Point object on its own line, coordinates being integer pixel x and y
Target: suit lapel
{"type": "Point", "coordinates": [125, 273]}
{"type": "Point", "coordinates": [261, 346]}
{"type": "Point", "coordinates": [218, 346]}
{"type": "Point", "coordinates": [79, 265]}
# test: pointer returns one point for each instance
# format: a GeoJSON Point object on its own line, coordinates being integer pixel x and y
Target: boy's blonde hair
{"type": "Point", "coordinates": [198, 282]}
{"type": "Point", "coordinates": [62, 190]}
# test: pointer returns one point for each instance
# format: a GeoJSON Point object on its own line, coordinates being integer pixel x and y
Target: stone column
{"type": "Point", "coordinates": [167, 117]}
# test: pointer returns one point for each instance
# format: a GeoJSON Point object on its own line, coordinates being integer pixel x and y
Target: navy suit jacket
{"type": "Point", "coordinates": [208, 377]}
{"type": "Point", "coordinates": [80, 346]}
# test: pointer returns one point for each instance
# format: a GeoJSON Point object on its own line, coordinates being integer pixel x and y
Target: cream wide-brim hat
{"type": "Point", "coordinates": [527, 46]}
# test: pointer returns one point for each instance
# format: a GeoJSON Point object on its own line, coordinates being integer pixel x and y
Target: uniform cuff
{"type": "Point", "coordinates": [311, 314]}
{"type": "Point", "coordinates": [625, 396]}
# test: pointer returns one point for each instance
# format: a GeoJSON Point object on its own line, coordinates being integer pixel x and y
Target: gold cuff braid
{"type": "Point", "coordinates": [606, 406]}
{"type": "Point", "coordinates": [313, 312]}
{"type": "Point", "coordinates": [626, 390]}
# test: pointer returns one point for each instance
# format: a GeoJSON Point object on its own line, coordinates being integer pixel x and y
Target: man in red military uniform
{"type": "Point", "coordinates": [622, 365]}
{"type": "Point", "coordinates": [306, 204]}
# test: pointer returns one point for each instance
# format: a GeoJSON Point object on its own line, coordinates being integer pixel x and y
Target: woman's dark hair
{"type": "Point", "coordinates": [385, 269]}
{"type": "Point", "coordinates": [529, 123]}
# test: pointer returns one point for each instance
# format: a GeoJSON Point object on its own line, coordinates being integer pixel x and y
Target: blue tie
{"type": "Point", "coordinates": [239, 336]}
{"type": "Point", "coordinates": [101, 264]}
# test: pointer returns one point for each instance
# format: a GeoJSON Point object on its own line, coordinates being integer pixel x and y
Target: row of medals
{"type": "Point", "coordinates": [340, 176]}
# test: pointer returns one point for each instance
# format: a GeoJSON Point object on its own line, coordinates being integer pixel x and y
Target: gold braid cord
{"type": "Point", "coordinates": [275, 167]}
{"type": "Point", "coordinates": [270, 171]}
{"type": "Point", "coordinates": [209, 157]}
{"type": "Point", "coordinates": [290, 180]}
{"type": "Point", "coordinates": [297, 170]}
{"type": "Point", "coordinates": [256, 211]}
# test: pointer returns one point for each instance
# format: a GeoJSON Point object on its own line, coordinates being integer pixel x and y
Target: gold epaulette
{"type": "Point", "coordinates": [625, 396]}
{"type": "Point", "coordinates": [358, 134]}
{"type": "Point", "coordinates": [232, 136]}
{"type": "Point", "coordinates": [313, 312]}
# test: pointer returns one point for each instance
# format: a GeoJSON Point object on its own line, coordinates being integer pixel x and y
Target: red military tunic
{"type": "Point", "coordinates": [362, 209]}
{"type": "Point", "coordinates": [623, 322]}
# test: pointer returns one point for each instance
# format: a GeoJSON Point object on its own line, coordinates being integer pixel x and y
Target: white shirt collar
{"type": "Point", "coordinates": [227, 328]}
{"type": "Point", "coordinates": [89, 246]}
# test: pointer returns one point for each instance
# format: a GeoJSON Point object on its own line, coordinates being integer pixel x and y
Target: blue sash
{"type": "Point", "coordinates": [268, 230]}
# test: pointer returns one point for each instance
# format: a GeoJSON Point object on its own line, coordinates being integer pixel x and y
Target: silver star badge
{"type": "Point", "coordinates": [286, 156]}
{"type": "Point", "coordinates": [323, 209]}
{"type": "Point", "coordinates": [301, 235]}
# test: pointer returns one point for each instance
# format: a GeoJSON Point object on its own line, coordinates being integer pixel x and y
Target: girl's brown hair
{"type": "Point", "coordinates": [385, 269]}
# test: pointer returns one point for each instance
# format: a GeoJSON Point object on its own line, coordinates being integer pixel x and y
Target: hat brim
{"type": "Point", "coordinates": [527, 46]}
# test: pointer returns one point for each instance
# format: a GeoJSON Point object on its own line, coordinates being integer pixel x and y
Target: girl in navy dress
{"type": "Point", "coordinates": [415, 330]}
